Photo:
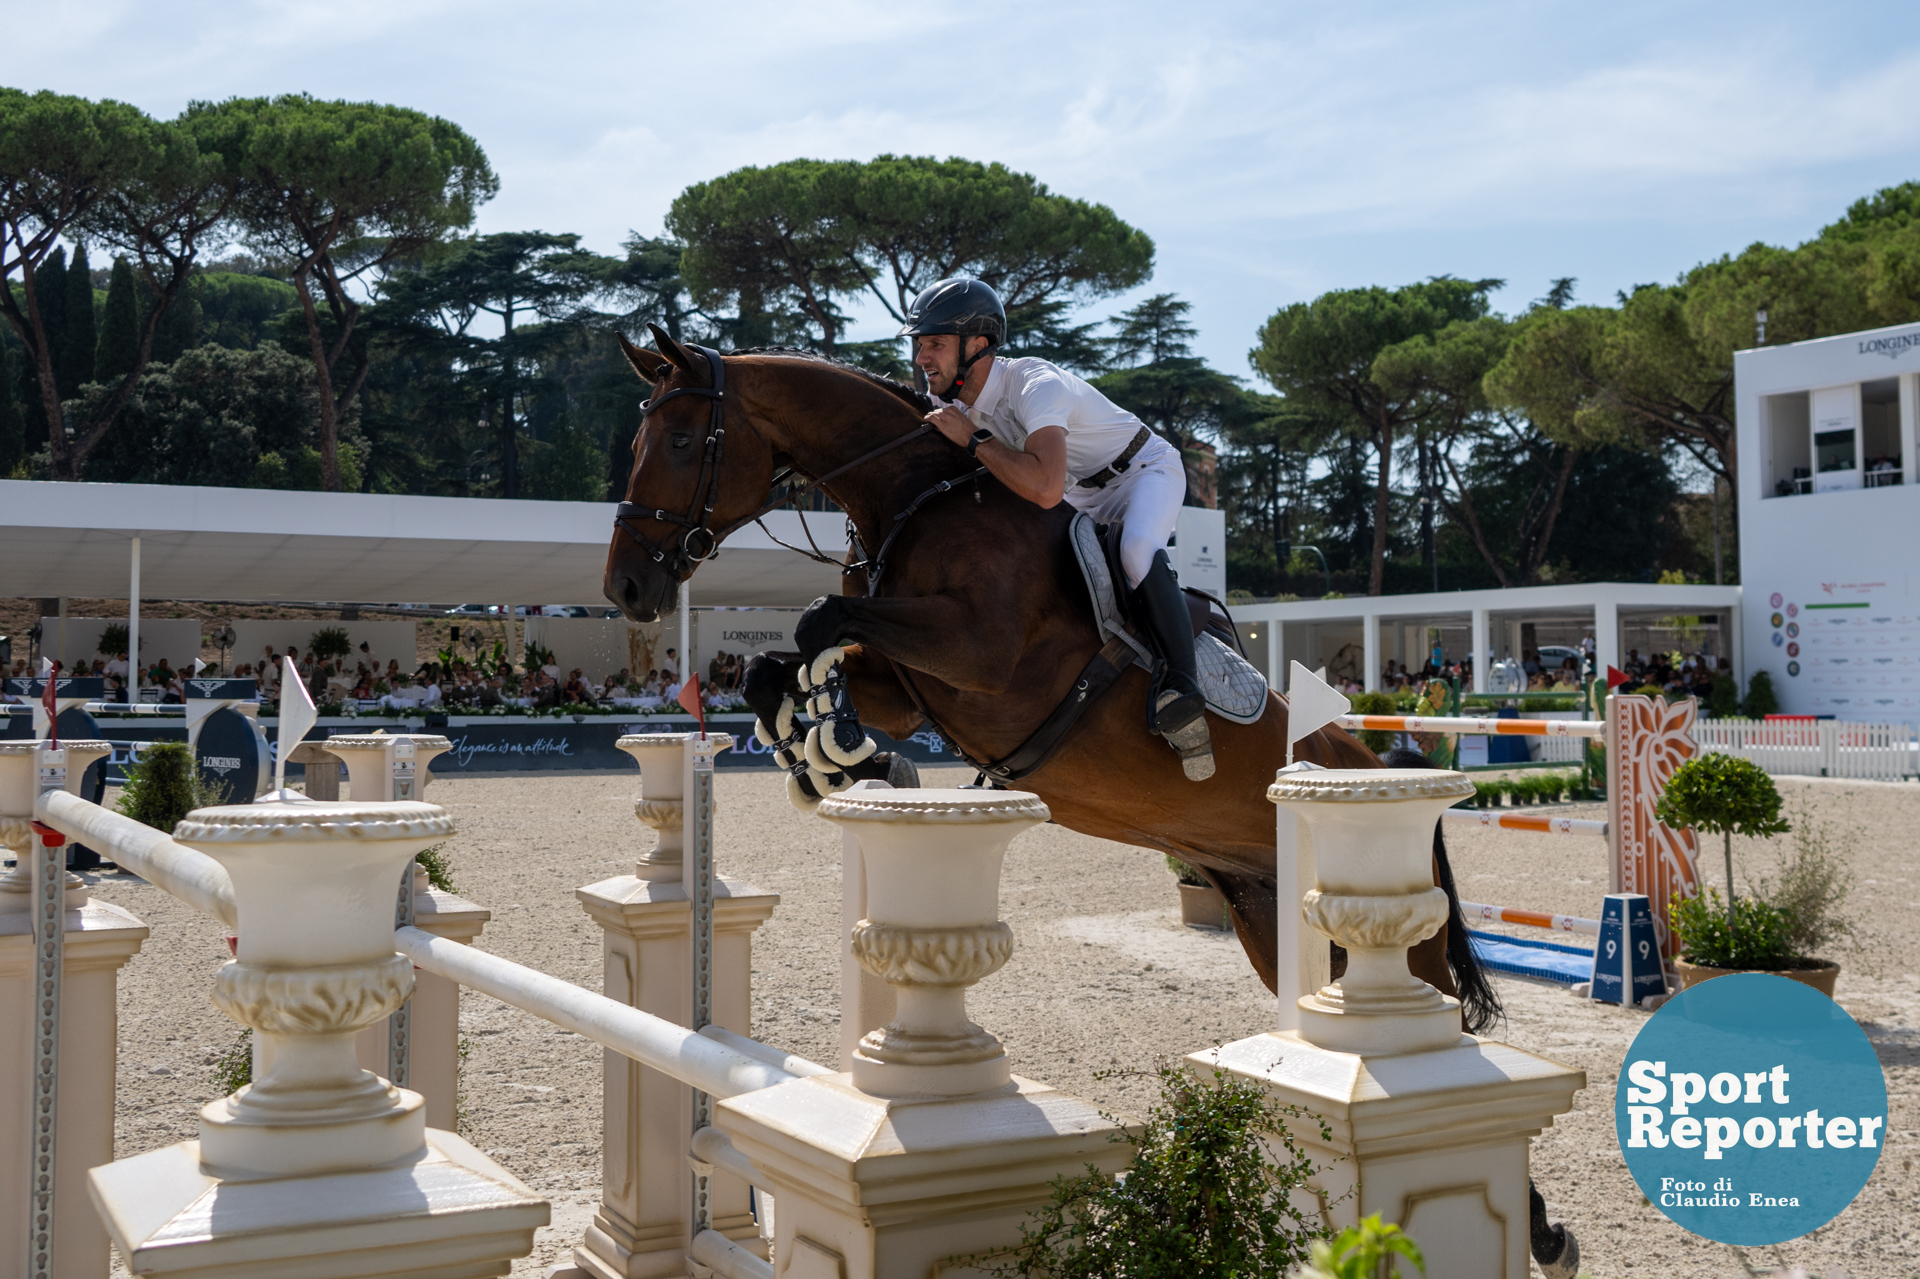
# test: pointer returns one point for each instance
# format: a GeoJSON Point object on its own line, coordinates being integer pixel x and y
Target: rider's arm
{"type": "Point", "coordinates": [1040, 473]}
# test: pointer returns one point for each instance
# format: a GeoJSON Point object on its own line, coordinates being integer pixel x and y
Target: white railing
{"type": "Point", "coordinates": [712, 1060]}
{"type": "Point", "coordinates": [697, 1058]}
{"type": "Point", "coordinates": [154, 856]}
{"type": "Point", "coordinates": [1815, 748]}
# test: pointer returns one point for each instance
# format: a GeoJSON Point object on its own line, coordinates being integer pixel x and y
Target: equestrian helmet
{"type": "Point", "coordinates": [969, 308]}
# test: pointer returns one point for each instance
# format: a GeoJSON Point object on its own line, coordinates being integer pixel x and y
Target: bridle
{"type": "Point", "coordinates": [698, 519]}
{"type": "Point", "coordinates": [677, 557]}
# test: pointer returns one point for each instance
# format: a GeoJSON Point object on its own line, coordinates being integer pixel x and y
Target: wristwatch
{"type": "Point", "coordinates": [980, 436]}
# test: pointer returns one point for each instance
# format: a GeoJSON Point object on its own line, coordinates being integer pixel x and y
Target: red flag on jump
{"type": "Point", "coordinates": [47, 695]}
{"type": "Point", "coordinates": [690, 698]}
{"type": "Point", "coordinates": [1615, 678]}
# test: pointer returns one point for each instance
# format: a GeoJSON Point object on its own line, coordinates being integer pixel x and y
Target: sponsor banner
{"type": "Point", "coordinates": [225, 690]}
{"type": "Point", "coordinates": [546, 745]}
{"type": "Point", "coordinates": [494, 748]}
{"type": "Point", "coordinates": [231, 755]}
{"type": "Point", "coordinates": [91, 687]}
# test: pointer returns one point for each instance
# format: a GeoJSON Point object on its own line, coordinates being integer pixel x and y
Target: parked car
{"type": "Point", "coordinates": [1551, 655]}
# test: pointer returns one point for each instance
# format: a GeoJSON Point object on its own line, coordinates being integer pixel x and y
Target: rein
{"type": "Point", "coordinates": [698, 519]}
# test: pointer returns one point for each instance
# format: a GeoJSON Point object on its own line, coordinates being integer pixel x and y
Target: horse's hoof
{"type": "Point", "coordinates": [1567, 1264]}
{"type": "Point", "coordinates": [901, 773]}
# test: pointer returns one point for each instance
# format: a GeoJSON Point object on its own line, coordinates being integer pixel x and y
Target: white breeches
{"type": "Point", "coordinates": [1148, 497]}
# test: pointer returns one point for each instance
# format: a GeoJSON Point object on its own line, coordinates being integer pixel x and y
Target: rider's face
{"type": "Point", "coordinates": [938, 356]}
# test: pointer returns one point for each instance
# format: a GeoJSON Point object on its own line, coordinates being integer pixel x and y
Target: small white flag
{"type": "Point", "coordinates": [1312, 704]}
{"type": "Point", "coordinates": [297, 715]}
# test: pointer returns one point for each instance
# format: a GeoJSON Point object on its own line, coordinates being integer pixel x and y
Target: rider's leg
{"type": "Point", "coordinates": [1152, 505]}
{"type": "Point", "coordinates": [1179, 711]}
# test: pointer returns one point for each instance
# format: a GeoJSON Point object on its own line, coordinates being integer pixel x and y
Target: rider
{"type": "Point", "coordinates": [1047, 435]}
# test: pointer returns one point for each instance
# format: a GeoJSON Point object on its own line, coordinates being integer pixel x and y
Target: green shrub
{"type": "Point", "coordinates": [1203, 1196]}
{"type": "Point", "coordinates": [113, 640]}
{"type": "Point", "coordinates": [1747, 934]}
{"type": "Point", "coordinates": [1538, 703]}
{"type": "Point", "coordinates": [1761, 700]}
{"type": "Point", "coordinates": [1723, 699]}
{"type": "Point", "coordinates": [1812, 885]}
{"type": "Point", "coordinates": [1375, 740]}
{"type": "Point", "coordinates": [438, 864]}
{"type": "Point", "coordinates": [163, 786]}
{"type": "Point", "coordinates": [233, 1069]}
{"type": "Point", "coordinates": [1360, 1252]}
{"type": "Point", "coordinates": [328, 643]}
{"type": "Point", "coordinates": [1181, 871]}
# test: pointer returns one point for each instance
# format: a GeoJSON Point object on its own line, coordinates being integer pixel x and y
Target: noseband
{"type": "Point", "coordinates": [699, 541]}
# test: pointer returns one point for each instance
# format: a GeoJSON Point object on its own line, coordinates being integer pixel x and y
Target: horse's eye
{"type": "Point", "coordinates": [680, 441]}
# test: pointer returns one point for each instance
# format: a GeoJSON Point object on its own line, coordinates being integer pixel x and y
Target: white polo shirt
{"type": "Point", "coordinates": [1025, 393]}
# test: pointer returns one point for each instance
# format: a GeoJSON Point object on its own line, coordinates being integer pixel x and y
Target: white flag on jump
{"type": "Point", "coordinates": [297, 715]}
{"type": "Point", "coordinates": [1312, 704]}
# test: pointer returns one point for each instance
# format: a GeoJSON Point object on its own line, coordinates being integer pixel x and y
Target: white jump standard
{"type": "Point", "coordinates": [1430, 1125]}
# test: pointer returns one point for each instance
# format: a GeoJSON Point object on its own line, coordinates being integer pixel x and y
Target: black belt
{"type": "Point", "coordinates": [1114, 469]}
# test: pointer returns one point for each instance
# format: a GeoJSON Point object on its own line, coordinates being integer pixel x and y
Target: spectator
{"type": "Point", "coordinates": [670, 668]}
{"type": "Point", "coordinates": [576, 690]}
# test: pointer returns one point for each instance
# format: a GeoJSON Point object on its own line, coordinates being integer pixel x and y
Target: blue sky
{"type": "Point", "coordinates": [1273, 151]}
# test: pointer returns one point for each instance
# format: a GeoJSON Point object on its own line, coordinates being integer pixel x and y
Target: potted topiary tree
{"type": "Point", "coordinates": [1201, 904]}
{"type": "Point", "coordinates": [1728, 796]}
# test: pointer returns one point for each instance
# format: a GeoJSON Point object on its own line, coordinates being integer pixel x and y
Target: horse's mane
{"type": "Point", "coordinates": [915, 399]}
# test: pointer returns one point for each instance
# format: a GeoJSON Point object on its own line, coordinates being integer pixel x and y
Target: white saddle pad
{"type": "Point", "coordinates": [1234, 688]}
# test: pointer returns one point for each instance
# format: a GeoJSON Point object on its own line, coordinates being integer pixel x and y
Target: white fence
{"type": "Point", "coordinates": [1815, 748]}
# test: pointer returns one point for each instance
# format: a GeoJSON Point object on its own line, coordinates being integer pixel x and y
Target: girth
{"type": "Point", "coordinates": [1096, 677]}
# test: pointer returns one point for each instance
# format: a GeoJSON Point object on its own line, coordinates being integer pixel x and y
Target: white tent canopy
{"type": "Point", "coordinates": [73, 540]}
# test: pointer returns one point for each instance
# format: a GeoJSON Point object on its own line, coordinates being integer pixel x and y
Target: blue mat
{"type": "Point", "coordinates": [1524, 957]}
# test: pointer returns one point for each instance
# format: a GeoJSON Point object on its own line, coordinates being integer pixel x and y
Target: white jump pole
{"type": "Point", "coordinates": [686, 632]}
{"type": "Point", "coordinates": [133, 626]}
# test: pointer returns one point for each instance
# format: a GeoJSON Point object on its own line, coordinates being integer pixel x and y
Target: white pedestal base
{"type": "Point", "coordinates": [869, 1187]}
{"type": "Point", "coordinates": [451, 1213]}
{"type": "Point", "coordinates": [1433, 1141]}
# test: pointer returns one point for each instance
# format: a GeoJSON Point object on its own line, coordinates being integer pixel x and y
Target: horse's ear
{"type": "Point", "coordinates": [680, 357]}
{"type": "Point", "coordinates": [650, 365]}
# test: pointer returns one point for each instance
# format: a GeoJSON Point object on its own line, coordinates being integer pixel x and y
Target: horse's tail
{"type": "Point", "coordinates": [1479, 1004]}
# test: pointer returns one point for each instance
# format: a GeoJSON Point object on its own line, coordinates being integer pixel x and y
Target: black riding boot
{"type": "Point", "coordinates": [1179, 711]}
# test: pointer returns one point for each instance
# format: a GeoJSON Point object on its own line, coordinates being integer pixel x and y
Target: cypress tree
{"type": "Point", "coordinates": [119, 346]}
{"type": "Point", "coordinates": [50, 292]}
{"type": "Point", "coordinates": [73, 356]}
{"type": "Point", "coordinates": [12, 428]}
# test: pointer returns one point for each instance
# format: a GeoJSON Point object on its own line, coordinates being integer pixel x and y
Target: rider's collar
{"type": "Point", "coordinates": [991, 390]}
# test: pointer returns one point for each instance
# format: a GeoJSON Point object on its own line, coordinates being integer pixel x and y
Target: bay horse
{"type": "Point", "coordinates": [981, 606]}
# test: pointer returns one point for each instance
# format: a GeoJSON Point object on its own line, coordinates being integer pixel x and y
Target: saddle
{"type": "Point", "coordinates": [1234, 689]}
{"type": "Point", "coordinates": [1208, 615]}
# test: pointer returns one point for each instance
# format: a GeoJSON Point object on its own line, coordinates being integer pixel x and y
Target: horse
{"type": "Point", "coordinates": [978, 618]}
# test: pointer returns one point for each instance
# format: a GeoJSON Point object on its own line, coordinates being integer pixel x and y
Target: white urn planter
{"type": "Point", "coordinates": [1374, 894]}
{"type": "Point", "coordinates": [317, 1168]}
{"type": "Point", "coordinates": [1426, 1125]}
{"type": "Point", "coordinates": [933, 928]}
{"type": "Point", "coordinates": [929, 1147]}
